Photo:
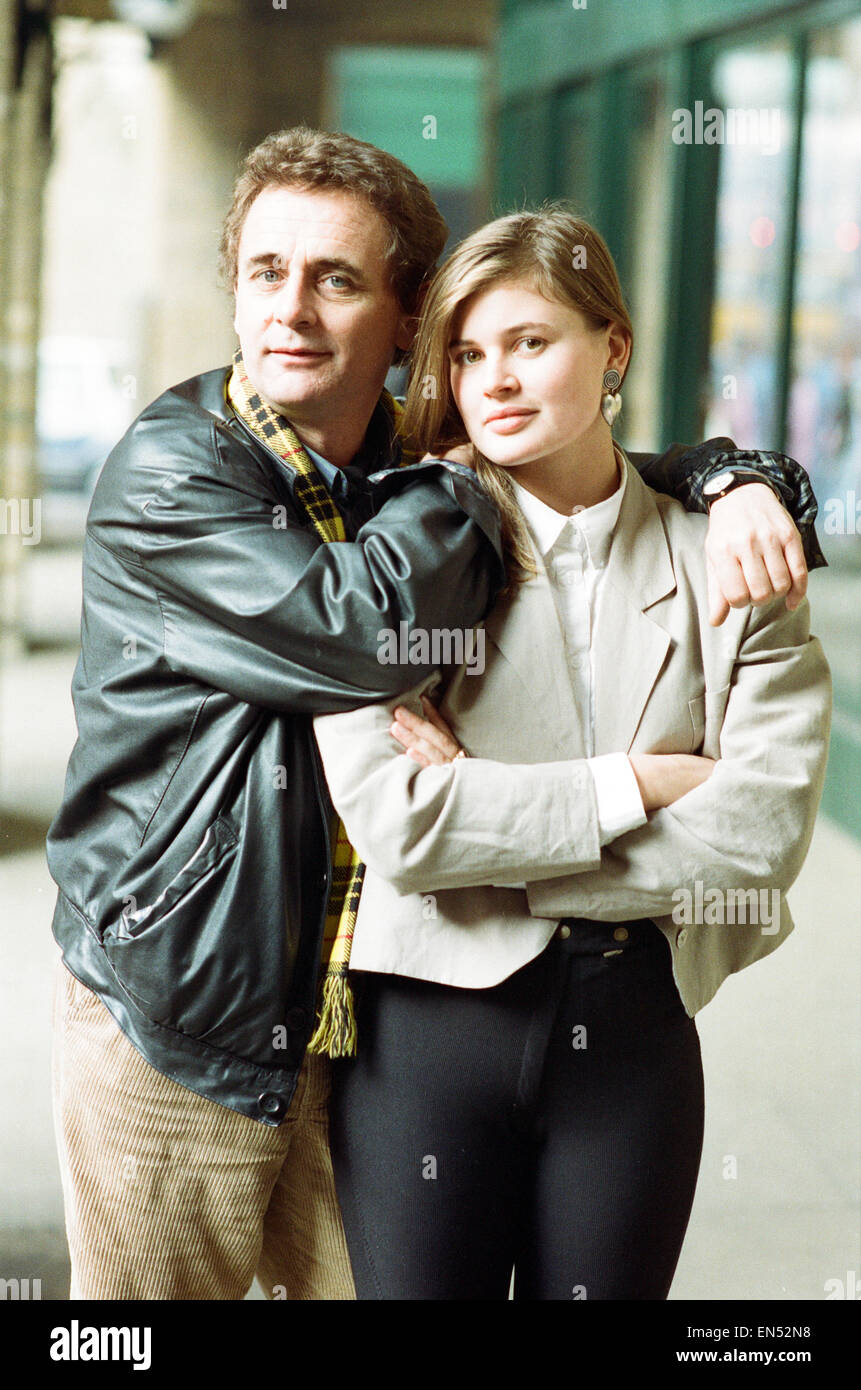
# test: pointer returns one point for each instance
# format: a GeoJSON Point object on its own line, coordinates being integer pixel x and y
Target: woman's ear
{"type": "Point", "coordinates": [619, 347]}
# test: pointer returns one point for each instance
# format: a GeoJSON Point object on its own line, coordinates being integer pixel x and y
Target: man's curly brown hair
{"type": "Point", "coordinates": [318, 159]}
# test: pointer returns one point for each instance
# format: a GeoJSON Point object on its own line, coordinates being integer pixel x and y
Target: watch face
{"type": "Point", "coordinates": [718, 483]}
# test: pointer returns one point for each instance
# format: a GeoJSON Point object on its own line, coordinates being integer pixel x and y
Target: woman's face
{"type": "Point", "coordinates": [527, 374]}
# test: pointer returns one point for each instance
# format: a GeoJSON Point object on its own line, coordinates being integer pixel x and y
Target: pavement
{"type": "Point", "coordinates": [776, 1215]}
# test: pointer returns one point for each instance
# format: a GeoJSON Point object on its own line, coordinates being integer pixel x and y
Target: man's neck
{"type": "Point", "coordinates": [337, 443]}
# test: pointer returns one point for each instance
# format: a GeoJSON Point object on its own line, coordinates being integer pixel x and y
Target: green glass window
{"type": "Point", "coordinates": [752, 89]}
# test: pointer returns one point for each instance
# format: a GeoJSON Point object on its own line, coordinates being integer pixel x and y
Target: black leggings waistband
{"type": "Point", "coordinates": [586, 937]}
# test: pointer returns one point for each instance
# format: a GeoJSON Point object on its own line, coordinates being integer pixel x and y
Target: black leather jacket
{"type": "Point", "coordinates": [191, 850]}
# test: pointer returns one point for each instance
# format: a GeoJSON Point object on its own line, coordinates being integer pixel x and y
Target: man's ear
{"type": "Point", "coordinates": [405, 336]}
{"type": "Point", "coordinates": [408, 325]}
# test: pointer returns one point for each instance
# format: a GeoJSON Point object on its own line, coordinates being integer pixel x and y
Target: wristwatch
{"type": "Point", "coordinates": [729, 478]}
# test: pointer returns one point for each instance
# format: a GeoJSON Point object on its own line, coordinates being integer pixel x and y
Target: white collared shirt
{"type": "Point", "coordinates": [575, 550]}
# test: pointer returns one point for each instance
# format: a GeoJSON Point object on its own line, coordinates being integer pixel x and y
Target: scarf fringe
{"type": "Point", "coordinates": [336, 1032]}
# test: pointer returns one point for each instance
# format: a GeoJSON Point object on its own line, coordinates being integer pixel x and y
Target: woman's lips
{"type": "Point", "coordinates": [509, 424]}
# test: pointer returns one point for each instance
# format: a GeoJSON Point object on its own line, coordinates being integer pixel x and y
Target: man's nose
{"type": "Point", "coordinates": [293, 304]}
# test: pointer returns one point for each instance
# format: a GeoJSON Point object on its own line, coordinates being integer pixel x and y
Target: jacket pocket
{"type": "Point", "coordinates": [697, 711]}
{"type": "Point", "coordinates": [216, 843]}
{"type": "Point", "coordinates": [707, 712]}
{"type": "Point", "coordinates": [165, 955]}
{"type": "Point", "coordinates": [716, 707]}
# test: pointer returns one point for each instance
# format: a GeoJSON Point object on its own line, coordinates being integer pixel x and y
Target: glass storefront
{"type": "Point", "coordinates": [825, 394]}
{"type": "Point", "coordinates": [738, 247]}
{"type": "Point", "coordinates": [752, 90]}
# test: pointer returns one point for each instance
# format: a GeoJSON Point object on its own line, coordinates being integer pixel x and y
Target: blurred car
{"type": "Point", "coordinates": [84, 403]}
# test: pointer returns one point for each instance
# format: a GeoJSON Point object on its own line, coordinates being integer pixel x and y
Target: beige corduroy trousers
{"type": "Point", "coordinates": [171, 1196]}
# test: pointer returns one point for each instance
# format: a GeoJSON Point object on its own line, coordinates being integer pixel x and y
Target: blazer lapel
{"type": "Point", "coordinates": [632, 646]}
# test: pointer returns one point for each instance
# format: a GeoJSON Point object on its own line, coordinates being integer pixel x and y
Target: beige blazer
{"type": "Point", "coordinates": [755, 693]}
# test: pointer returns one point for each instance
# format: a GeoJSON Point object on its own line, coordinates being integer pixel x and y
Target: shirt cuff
{"type": "Point", "coordinates": [620, 806]}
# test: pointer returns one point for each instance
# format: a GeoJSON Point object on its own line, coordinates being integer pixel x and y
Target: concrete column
{"type": "Point", "coordinates": [26, 134]}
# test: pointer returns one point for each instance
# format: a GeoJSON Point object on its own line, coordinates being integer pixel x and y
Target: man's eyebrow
{"type": "Point", "coordinates": [338, 263]}
{"type": "Point", "coordinates": [507, 333]}
{"type": "Point", "coordinates": [324, 263]}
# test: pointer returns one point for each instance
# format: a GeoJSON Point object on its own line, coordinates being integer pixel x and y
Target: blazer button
{"type": "Point", "coordinates": [681, 936]}
{"type": "Point", "coordinates": [272, 1104]}
{"type": "Point", "coordinates": [620, 934]}
{"type": "Point", "coordinates": [563, 933]}
{"type": "Point", "coordinates": [296, 1019]}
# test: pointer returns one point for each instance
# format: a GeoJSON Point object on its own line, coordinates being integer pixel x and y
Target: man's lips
{"type": "Point", "coordinates": [297, 354]}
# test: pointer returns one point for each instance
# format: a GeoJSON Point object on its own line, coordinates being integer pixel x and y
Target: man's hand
{"type": "Point", "coordinates": [753, 552]}
{"type": "Point", "coordinates": [665, 777]}
{"type": "Point", "coordinates": [427, 740]}
{"type": "Point", "coordinates": [458, 453]}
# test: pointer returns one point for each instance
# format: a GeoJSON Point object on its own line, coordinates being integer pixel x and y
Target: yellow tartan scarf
{"type": "Point", "coordinates": [335, 1033]}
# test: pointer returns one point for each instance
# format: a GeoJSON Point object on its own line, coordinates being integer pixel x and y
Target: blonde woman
{"type": "Point", "coordinates": [531, 946]}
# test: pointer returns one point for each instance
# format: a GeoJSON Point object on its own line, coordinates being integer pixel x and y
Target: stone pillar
{"type": "Point", "coordinates": [25, 98]}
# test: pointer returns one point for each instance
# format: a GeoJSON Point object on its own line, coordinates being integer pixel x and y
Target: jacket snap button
{"type": "Point", "coordinates": [296, 1018]}
{"type": "Point", "coordinates": [563, 933]}
{"type": "Point", "coordinates": [271, 1103]}
{"type": "Point", "coordinates": [620, 934]}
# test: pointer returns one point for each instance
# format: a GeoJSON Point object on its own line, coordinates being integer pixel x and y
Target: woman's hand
{"type": "Point", "coordinates": [665, 777]}
{"type": "Point", "coordinates": [427, 740]}
{"type": "Point", "coordinates": [662, 777]}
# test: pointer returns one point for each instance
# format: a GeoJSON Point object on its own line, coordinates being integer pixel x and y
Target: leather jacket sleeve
{"type": "Point", "coordinates": [682, 470]}
{"type": "Point", "coordinates": [253, 603]}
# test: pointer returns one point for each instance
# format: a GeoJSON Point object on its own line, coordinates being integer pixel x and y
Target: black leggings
{"type": "Point", "coordinates": [551, 1124]}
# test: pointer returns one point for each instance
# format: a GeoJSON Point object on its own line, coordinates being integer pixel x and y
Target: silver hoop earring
{"type": "Point", "coordinates": [611, 401]}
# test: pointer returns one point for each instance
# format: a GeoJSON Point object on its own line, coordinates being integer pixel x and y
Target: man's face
{"type": "Point", "coordinates": [317, 319]}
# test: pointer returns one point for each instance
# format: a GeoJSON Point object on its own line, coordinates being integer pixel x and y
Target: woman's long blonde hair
{"type": "Point", "coordinates": [568, 262]}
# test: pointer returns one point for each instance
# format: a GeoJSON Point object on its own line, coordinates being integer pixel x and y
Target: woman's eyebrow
{"type": "Point", "coordinates": [506, 332]}
{"type": "Point", "coordinates": [519, 327]}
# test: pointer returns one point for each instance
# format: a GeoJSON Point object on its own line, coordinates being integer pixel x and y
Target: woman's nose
{"type": "Point", "coordinates": [499, 376]}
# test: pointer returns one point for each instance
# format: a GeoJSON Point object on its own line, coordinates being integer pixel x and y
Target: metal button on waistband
{"type": "Point", "coordinates": [563, 932]}
{"type": "Point", "coordinates": [620, 934]}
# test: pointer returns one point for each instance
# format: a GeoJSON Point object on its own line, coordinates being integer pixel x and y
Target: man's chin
{"type": "Point", "coordinates": [290, 389]}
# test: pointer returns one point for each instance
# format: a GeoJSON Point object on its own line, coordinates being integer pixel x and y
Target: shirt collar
{"type": "Point", "coordinates": [327, 470]}
{"type": "Point", "coordinates": [596, 524]}
{"type": "Point", "coordinates": [379, 449]}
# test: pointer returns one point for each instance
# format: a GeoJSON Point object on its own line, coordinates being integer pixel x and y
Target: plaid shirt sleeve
{"type": "Point", "coordinates": [682, 473]}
